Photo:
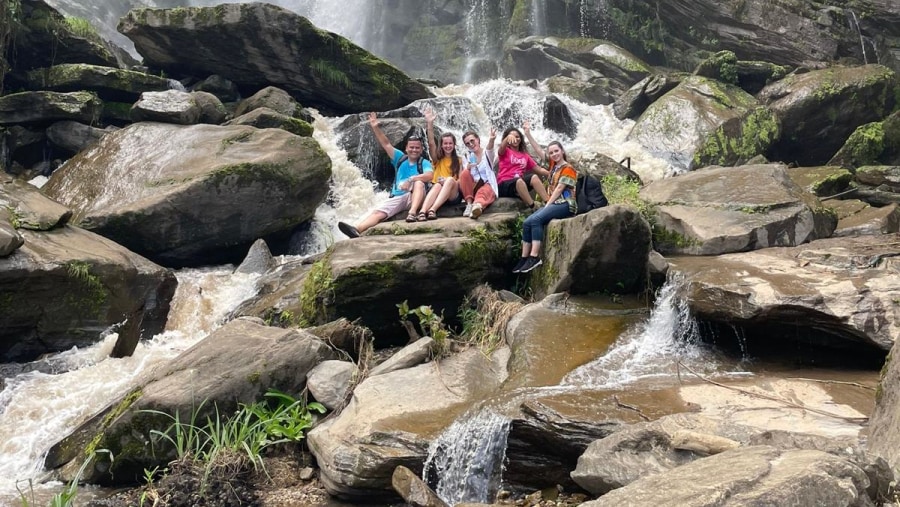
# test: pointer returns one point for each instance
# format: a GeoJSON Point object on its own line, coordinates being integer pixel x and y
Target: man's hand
{"type": "Point", "coordinates": [429, 115]}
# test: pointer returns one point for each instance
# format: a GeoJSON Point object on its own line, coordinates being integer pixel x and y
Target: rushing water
{"type": "Point", "coordinates": [38, 409]}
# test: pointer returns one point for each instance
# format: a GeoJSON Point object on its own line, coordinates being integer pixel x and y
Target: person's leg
{"type": "Point", "coordinates": [431, 197]}
{"type": "Point", "coordinates": [538, 187]}
{"type": "Point", "coordinates": [417, 196]}
{"type": "Point", "coordinates": [467, 185]}
{"type": "Point", "coordinates": [450, 190]}
{"type": "Point", "coordinates": [542, 217]}
{"type": "Point", "coordinates": [522, 191]}
{"type": "Point", "coordinates": [527, 227]}
{"type": "Point", "coordinates": [371, 220]}
{"type": "Point", "coordinates": [485, 196]}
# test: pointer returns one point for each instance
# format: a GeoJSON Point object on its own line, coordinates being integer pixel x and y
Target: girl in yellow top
{"type": "Point", "coordinates": [447, 164]}
{"type": "Point", "coordinates": [560, 205]}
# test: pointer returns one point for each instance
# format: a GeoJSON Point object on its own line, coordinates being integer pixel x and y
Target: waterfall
{"type": "Point", "coordinates": [478, 36]}
{"type": "Point", "coordinates": [651, 349]}
{"type": "Point", "coordinates": [38, 409]}
{"type": "Point", "coordinates": [538, 17]}
{"type": "Point", "coordinates": [854, 24]}
{"type": "Point", "coordinates": [466, 460]}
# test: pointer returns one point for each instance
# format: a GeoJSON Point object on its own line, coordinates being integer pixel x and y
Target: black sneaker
{"type": "Point", "coordinates": [348, 230]}
{"type": "Point", "coordinates": [532, 263]}
{"type": "Point", "coordinates": [519, 265]}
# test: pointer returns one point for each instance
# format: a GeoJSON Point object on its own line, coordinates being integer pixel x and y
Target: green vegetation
{"type": "Point", "coordinates": [92, 294]}
{"type": "Point", "coordinates": [865, 145]}
{"type": "Point", "coordinates": [755, 133]}
{"type": "Point", "coordinates": [621, 190]}
{"type": "Point", "coordinates": [484, 317]}
{"type": "Point", "coordinates": [15, 217]}
{"type": "Point", "coordinates": [331, 75]}
{"type": "Point", "coordinates": [317, 287]}
{"type": "Point", "coordinates": [430, 324]}
{"type": "Point", "coordinates": [66, 497]}
{"type": "Point", "coordinates": [227, 447]}
{"type": "Point", "coordinates": [644, 31]}
{"type": "Point", "coordinates": [82, 28]}
{"type": "Point", "coordinates": [579, 44]}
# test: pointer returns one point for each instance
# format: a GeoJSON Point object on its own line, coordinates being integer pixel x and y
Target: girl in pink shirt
{"type": "Point", "coordinates": [518, 173]}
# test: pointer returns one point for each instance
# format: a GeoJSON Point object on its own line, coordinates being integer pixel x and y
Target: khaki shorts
{"type": "Point", "coordinates": [396, 205]}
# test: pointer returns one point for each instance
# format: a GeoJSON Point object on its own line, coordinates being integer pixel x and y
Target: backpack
{"type": "Point", "coordinates": [589, 194]}
{"type": "Point", "coordinates": [404, 158]}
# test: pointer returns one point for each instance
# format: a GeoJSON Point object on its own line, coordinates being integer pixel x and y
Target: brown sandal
{"type": "Point", "coordinates": [421, 217]}
{"type": "Point", "coordinates": [431, 215]}
{"type": "Point", "coordinates": [410, 218]}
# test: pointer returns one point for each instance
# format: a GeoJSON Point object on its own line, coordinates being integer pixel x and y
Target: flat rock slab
{"type": "Point", "coordinates": [844, 288]}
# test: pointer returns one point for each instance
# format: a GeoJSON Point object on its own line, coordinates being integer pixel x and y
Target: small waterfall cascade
{"type": "Point", "coordinates": [466, 460]}
{"type": "Point", "coordinates": [538, 17]}
{"type": "Point", "coordinates": [652, 349]}
{"type": "Point", "coordinates": [37, 408]}
{"type": "Point", "coordinates": [478, 35]}
{"type": "Point", "coordinates": [863, 40]}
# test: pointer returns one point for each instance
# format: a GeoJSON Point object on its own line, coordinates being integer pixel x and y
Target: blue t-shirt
{"type": "Point", "coordinates": [406, 171]}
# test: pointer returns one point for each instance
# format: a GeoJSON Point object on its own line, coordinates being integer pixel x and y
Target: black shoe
{"type": "Point", "coordinates": [521, 264]}
{"type": "Point", "coordinates": [348, 230]}
{"type": "Point", "coordinates": [532, 263]}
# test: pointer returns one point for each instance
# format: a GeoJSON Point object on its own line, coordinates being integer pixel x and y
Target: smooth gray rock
{"type": "Point", "coordinates": [170, 106]}
{"type": "Point", "coordinates": [330, 381]}
{"type": "Point", "coordinates": [413, 354]}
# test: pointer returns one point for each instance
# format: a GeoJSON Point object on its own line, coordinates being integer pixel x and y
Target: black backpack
{"type": "Point", "coordinates": [589, 194]}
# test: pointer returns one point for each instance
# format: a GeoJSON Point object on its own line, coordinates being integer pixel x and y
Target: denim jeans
{"type": "Point", "coordinates": [533, 228]}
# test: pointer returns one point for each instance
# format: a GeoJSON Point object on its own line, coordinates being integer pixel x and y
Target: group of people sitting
{"type": "Point", "coordinates": [421, 186]}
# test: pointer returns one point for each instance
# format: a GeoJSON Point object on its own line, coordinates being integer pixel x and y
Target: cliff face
{"type": "Point", "coordinates": [444, 40]}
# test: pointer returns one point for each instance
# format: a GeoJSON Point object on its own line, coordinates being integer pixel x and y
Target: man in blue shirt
{"type": "Point", "coordinates": [408, 190]}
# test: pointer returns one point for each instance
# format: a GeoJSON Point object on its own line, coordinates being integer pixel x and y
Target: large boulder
{"type": "Point", "coordinates": [64, 287]}
{"type": "Point", "coordinates": [757, 475]}
{"type": "Point", "coordinates": [604, 250]}
{"type": "Point", "coordinates": [43, 108]}
{"type": "Point", "coordinates": [820, 109]}
{"type": "Point", "coordinates": [718, 210]}
{"type": "Point", "coordinates": [884, 427]}
{"type": "Point", "coordinates": [109, 83]}
{"type": "Point", "coordinates": [367, 277]}
{"type": "Point", "coordinates": [839, 292]}
{"type": "Point", "coordinates": [188, 195]}
{"type": "Point", "coordinates": [392, 418]}
{"type": "Point", "coordinates": [170, 106]}
{"type": "Point", "coordinates": [320, 68]}
{"type": "Point", "coordinates": [233, 365]}
{"type": "Point", "coordinates": [43, 37]}
{"type": "Point", "coordinates": [680, 123]}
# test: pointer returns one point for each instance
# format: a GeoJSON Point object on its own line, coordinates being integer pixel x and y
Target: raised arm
{"type": "Point", "coordinates": [380, 137]}
{"type": "Point", "coordinates": [429, 132]}
{"type": "Point", "coordinates": [490, 144]}
{"type": "Point", "coordinates": [538, 150]}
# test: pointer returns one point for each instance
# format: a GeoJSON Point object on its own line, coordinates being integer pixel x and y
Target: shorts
{"type": "Point", "coordinates": [508, 187]}
{"type": "Point", "coordinates": [395, 205]}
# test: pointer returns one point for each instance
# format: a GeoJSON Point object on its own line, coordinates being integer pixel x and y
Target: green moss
{"type": "Point", "coordinates": [755, 133]}
{"type": "Point", "coordinates": [111, 417]}
{"type": "Point", "coordinates": [245, 174]}
{"type": "Point", "coordinates": [866, 144]}
{"type": "Point", "coordinates": [664, 239]}
{"type": "Point", "coordinates": [90, 296]}
{"type": "Point", "coordinates": [82, 28]}
{"type": "Point", "coordinates": [643, 31]}
{"type": "Point", "coordinates": [317, 287]}
{"type": "Point", "coordinates": [254, 377]}
{"type": "Point", "coordinates": [579, 44]}
{"type": "Point", "coordinates": [518, 21]}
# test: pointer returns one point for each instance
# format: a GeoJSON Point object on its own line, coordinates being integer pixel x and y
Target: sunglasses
{"type": "Point", "coordinates": [470, 142]}
{"type": "Point", "coordinates": [413, 138]}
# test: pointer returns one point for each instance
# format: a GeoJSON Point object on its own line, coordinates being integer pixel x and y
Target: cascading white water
{"type": "Point", "coordinates": [38, 409]}
{"type": "Point", "coordinates": [854, 24]}
{"type": "Point", "coordinates": [652, 349]}
{"type": "Point", "coordinates": [465, 463]}
{"type": "Point", "coordinates": [538, 17]}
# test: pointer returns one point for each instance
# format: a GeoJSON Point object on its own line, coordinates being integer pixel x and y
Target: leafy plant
{"type": "Point", "coordinates": [430, 323]}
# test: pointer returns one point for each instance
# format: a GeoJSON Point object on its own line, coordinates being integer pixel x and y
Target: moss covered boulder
{"type": "Point", "coordinates": [256, 45]}
{"type": "Point", "coordinates": [682, 123]}
{"type": "Point", "coordinates": [114, 84]}
{"type": "Point", "coordinates": [189, 195]}
{"type": "Point", "coordinates": [43, 108]}
{"type": "Point", "coordinates": [871, 144]}
{"type": "Point", "coordinates": [819, 110]}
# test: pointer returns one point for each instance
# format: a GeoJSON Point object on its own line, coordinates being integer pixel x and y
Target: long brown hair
{"type": "Point", "coordinates": [454, 162]}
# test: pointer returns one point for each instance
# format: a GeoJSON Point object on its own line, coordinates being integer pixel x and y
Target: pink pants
{"type": "Point", "coordinates": [484, 195]}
